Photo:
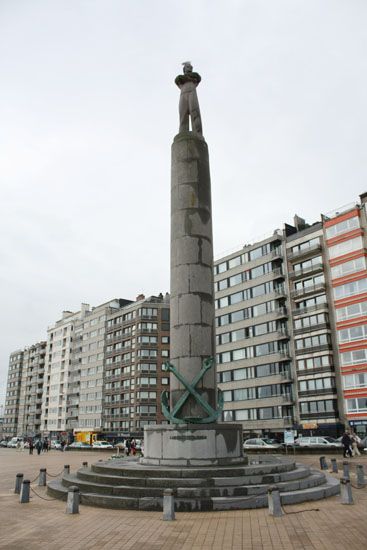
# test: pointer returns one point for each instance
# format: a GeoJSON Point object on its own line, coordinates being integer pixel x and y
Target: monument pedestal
{"type": "Point", "coordinates": [193, 445]}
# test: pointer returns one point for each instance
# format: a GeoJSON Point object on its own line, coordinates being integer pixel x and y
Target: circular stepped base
{"type": "Point", "coordinates": [132, 485]}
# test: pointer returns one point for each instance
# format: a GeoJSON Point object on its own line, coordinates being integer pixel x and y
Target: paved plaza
{"type": "Point", "coordinates": [44, 523]}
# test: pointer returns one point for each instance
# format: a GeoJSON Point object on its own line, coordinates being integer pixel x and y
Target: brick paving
{"type": "Point", "coordinates": [44, 525]}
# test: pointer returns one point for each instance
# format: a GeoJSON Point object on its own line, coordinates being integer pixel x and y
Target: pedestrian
{"type": "Point", "coordinates": [347, 445]}
{"type": "Point", "coordinates": [63, 443]}
{"type": "Point", "coordinates": [128, 446]}
{"type": "Point", "coordinates": [18, 445]}
{"type": "Point", "coordinates": [355, 442]}
{"type": "Point", "coordinates": [48, 445]}
{"type": "Point", "coordinates": [31, 446]}
{"type": "Point", "coordinates": [45, 446]}
{"type": "Point", "coordinates": [133, 446]}
{"type": "Point", "coordinates": [39, 446]}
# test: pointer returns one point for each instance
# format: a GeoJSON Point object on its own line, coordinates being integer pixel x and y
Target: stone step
{"type": "Point", "coordinates": [120, 467]}
{"type": "Point", "coordinates": [316, 478]}
{"type": "Point", "coordinates": [331, 487]}
{"type": "Point", "coordinates": [92, 476]}
{"type": "Point", "coordinates": [328, 489]}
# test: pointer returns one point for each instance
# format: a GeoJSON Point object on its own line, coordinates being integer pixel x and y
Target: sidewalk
{"type": "Point", "coordinates": [44, 524]}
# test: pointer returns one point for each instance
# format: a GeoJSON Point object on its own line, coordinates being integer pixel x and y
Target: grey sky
{"type": "Point", "coordinates": [88, 111]}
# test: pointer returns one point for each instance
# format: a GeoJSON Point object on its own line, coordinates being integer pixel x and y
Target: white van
{"type": "Point", "coordinates": [14, 442]}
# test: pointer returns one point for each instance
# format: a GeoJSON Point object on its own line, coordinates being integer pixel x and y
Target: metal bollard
{"type": "Point", "coordinates": [334, 466]}
{"type": "Point", "coordinates": [18, 483]}
{"type": "Point", "coordinates": [168, 505]}
{"type": "Point", "coordinates": [72, 503]}
{"type": "Point", "coordinates": [274, 504]}
{"type": "Point", "coordinates": [24, 492]}
{"type": "Point", "coordinates": [85, 464]}
{"type": "Point", "coordinates": [42, 478]}
{"type": "Point", "coordinates": [346, 470]}
{"type": "Point", "coordinates": [66, 469]}
{"type": "Point", "coordinates": [346, 491]}
{"type": "Point", "coordinates": [361, 482]}
{"type": "Point", "coordinates": [323, 463]}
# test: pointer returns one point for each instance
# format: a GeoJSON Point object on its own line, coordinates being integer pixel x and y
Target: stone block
{"type": "Point", "coordinates": [189, 309]}
{"type": "Point", "coordinates": [201, 280]}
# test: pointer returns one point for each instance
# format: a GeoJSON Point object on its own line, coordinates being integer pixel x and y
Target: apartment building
{"type": "Point", "coordinates": [253, 360]}
{"type": "Point", "coordinates": [12, 399]}
{"type": "Point", "coordinates": [85, 390]}
{"type": "Point", "coordinates": [307, 367]}
{"type": "Point", "coordinates": [56, 375]}
{"type": "Point", "coordinates": [31, 390]}
{"type": "Point", "coordinates": [345, 237]}
{"type": "Point", "coordinates": [313, 342]}
{"type": "Point", "coordinates": [137, 344]}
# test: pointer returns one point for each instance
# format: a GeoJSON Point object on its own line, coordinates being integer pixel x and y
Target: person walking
{"type": "Point", "coordinates": [39, 446]}
{"type": "Point", "coordinates": [31, 446]}
{"type": "Point", "coordinates": [45, 446]}
{"type": "Point", "coordinates": [133, 446]}
{"type": "Point", "coordinates": [347, 445]}
{"type": "Point", "coordinates": [355, 441]}
{"type": "Point", "coordinates": [128, 446]}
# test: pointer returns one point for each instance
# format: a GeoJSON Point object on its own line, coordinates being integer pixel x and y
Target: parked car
{"type": "Point", "coordinates": [261, 443]}
{"type": "Point", "coordinates": [3, 443]}
{"type": "Point", "coordinates": [56, 444]}
{"type": "Point", "coordinates": [13, 443]}
{"type": "Point", "coordinates": [102, 445]}
{"type": "Point", "coordinates": [78, 445]}
{"type": "Point", "coordinates": [317, 442]}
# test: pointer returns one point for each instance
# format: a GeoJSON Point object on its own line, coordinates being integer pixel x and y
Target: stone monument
{"type": "Point", "coordinates": [195, 459]}
{"type": "Point", "coordinates": [193, 408]}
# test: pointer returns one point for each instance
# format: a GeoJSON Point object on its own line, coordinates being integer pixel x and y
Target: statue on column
{"type": "Point", "coordinates": [189, 104]}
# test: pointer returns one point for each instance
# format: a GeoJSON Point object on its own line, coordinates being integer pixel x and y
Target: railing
{"type": "Point", "coordinates": [300, 272]}
{"type": "Point", "coordinates": [308, 290]}
{"type": "Point", "coordinates": [304, 251]}
{"type": "Point", "coordinates": [312, 349]}
{"type": "Point", "coordinates": [311, 328]}
{"type": "Point", "coordinates": [309, 309]}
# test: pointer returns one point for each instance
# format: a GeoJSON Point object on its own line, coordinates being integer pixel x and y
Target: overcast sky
{"type": "Point", "coordinates": [88, 111]}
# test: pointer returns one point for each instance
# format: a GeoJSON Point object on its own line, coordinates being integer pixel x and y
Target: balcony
{"type": "Point", "coordinates": [287, 421]}
{"type": "Point", "coordinates": [299, 273]}
{"type": "Point", "coordinates": [308, 290]}
{"type": "Point", "coordinates": [313, 349]}
{"type": "Point", "coordinates": [316, 393]}
{"type": "Point", "coordinates": [310, 309]}
{"type": "Point", "coordinates": [319, 415]}
{"type": "Point", "coordinates": [307, 251]}
{"type": "Point", "coordinates": [311, 328]}
{"type": "Point", "coordinates": [318, 370]}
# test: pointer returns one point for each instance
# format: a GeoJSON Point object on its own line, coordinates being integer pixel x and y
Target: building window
{"type": "Point", "coordinates": [358, 380]}
{"type": "Point", "coordinates": [345, 247]}
{"type": "Point", "coordinates": [357, 405]}
{"type": "Point", "coordinates": [348, 267]}
{"type": "Point", "coordinates": [349, 289]}
{"type": "Point", "coordinates": [342, 227]}
{"type": "Point", "coordinates": [349, 312]}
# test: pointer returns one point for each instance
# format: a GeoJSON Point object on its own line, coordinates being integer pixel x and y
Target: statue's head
{"type": "Point", "coordinates": [187, 67]}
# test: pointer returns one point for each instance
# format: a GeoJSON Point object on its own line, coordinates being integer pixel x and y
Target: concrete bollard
{"type": "Point", "coordinates": [18, 483]}
{"type": "Point", "coordinates": [168, 505]}
{"type": "Point", "coordinates": [72, 503]}
{"type": "Point", "coordinates": [334, 466]}
{"type": "Point", "coordinates": [323, 463]}
{"type": "Point", "coordinates": [42, 478]}
{"type": "Point", "coordinates": [274, 504]}
{"type": "Point", "coordinates": [66, 469]}
{"type": "Point", "coordinates": [24, 491]}
{"type": "Point", "coordinates": [360, 476]}
{"type": "Point", "coordinates": [85, 464]}
{"type": "Point", "coordinates": [346, 470]}
{"type": "Point", "coordinates": [346, 491]}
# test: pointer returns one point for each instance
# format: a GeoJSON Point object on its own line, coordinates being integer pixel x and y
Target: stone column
{"type": "Point", "coordinates": [192, 289]}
